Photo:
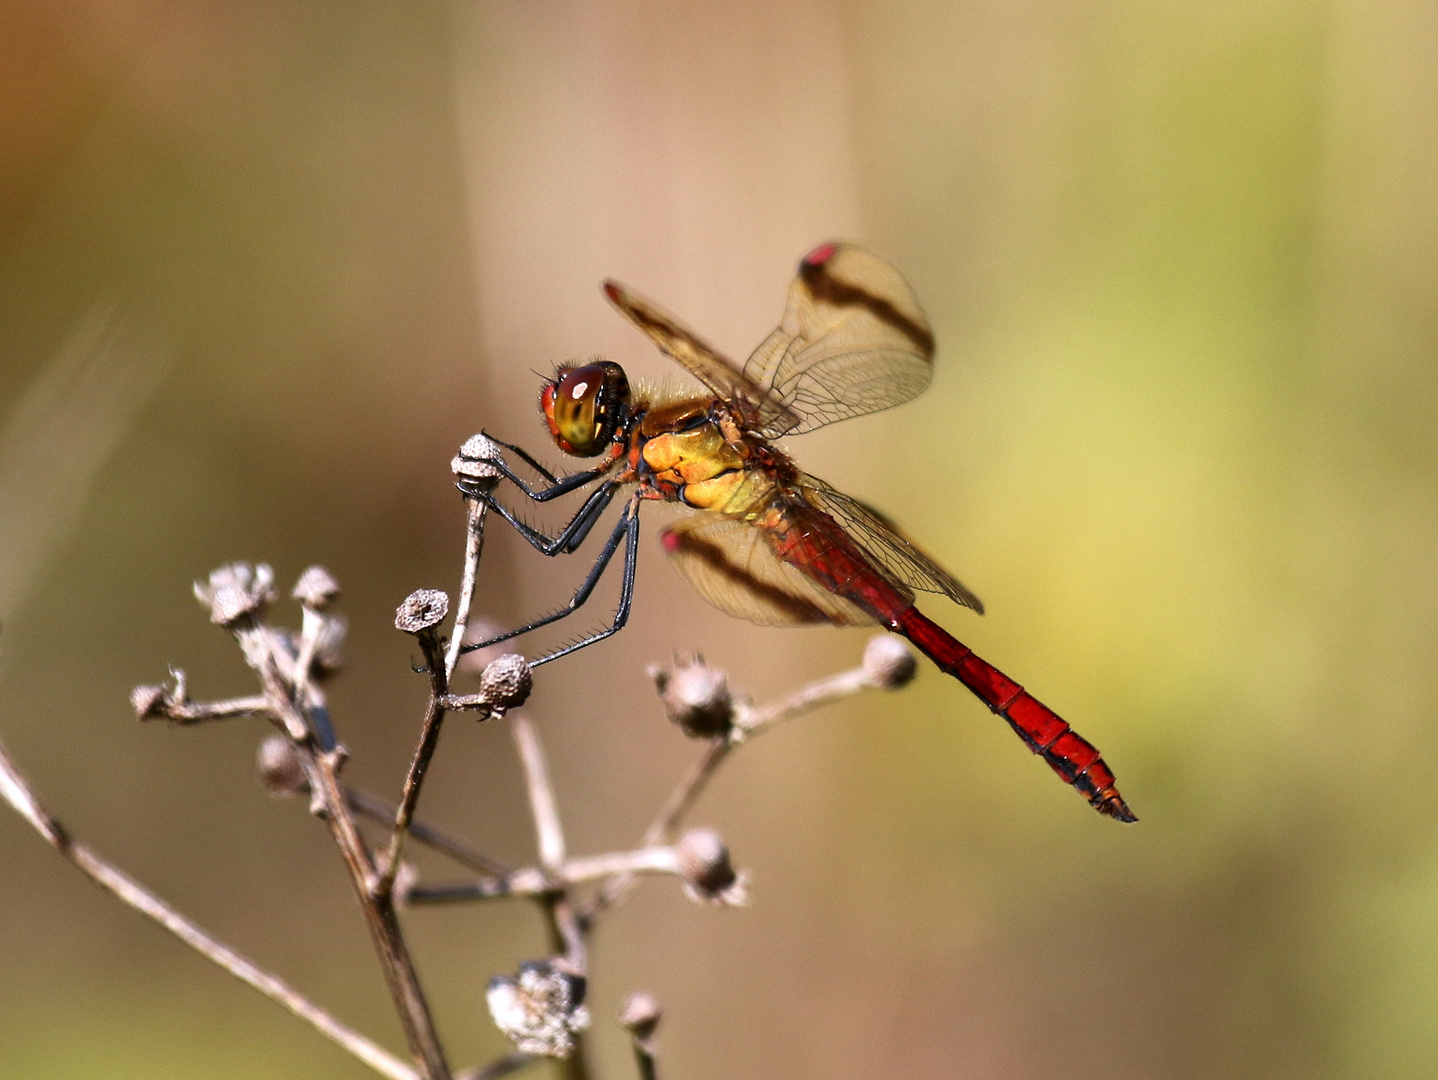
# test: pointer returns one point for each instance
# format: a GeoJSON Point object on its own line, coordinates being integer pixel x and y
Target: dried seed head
{"type": "Point", "coordinates": [473, 465]}
{"type": "Point", "coordinates": [236, 592]}
{"type": "Point", "coordinates": [888, 662]}
{"type": "Point", "coordinates": [709, 877]}
{"type": "Point", "coordinates": [541, 1009]}
{"type": "Point", "coordinates": [696, 697]}
{"type": "Point", "coordinates": [278, 768]}
{"type": "Point", "coordinates": [316, 588]}
{"type": "Point", "coordinates": [641, 1015]}
{"type": "Point", "coordinates": [421, 609]}
{"type": "Point", "coordinates": [148, 701]}
{"type": "Point", "coordinates": [506, 683]}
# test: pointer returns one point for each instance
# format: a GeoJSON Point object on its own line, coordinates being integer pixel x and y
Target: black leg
{"type": "Point", "coordinates": [630, 521]}
{"type": "Point", "coordinates": [627, 527]}
{"type": "Point", "coordinates": [556, 488]}
{"type": "Point", "coordinates": [524, 455]}
{"type": "Point", "coordinates": [575, 530]}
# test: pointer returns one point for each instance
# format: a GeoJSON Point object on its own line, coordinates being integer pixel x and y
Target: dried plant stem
{"type": "Point", "coordinates": [322, 768]}
{"type": "Point", "coordinates": [534, 881]}
{"type": "Point", "coordinates": [456, 847]}
{"type": "Point", "coordinates": [414, 779]}
{"type": "Point", "coordinates": [819, 692]}
{"type": "Point", "coordinates": [17, 792]}
{"type": "Point", "coordinates": [473, 548]}
{"type": "Point", "coordinates": [644, 1061]}
{"type": "Point", "coordinates": [193, 712]}
{"type": "Point", "coordinates": [748, 723]}
{"type": "Point", "coordinates": [687, 792]}
{"type": "Point", "coordinates": [549, 832]}
{"type": "Point", "coordinates": [566, 929]}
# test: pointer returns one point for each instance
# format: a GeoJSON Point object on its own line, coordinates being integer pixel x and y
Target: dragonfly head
{"type": "Point", "coordinates": [585, 406]}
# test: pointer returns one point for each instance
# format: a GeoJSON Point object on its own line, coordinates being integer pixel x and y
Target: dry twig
{"type": "Point", "coordinates": [541, 1007]}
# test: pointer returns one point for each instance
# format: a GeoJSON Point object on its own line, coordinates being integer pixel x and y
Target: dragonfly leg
{"type": "Point", "coordinates": [628, 524]}
{"type": "Point", "coordinates": [574, 532]}
{"type": "Point", "coordinates": [557, 486]}
{"type": "Point", "coordinates": [626, 529]}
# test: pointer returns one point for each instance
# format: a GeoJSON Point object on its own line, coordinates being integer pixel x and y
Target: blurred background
{"type": "Point", "coordinates": [264, 266]}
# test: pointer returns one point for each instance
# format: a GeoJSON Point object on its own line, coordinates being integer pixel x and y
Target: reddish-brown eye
{"type": "Point", "coordinates": [584, 406]}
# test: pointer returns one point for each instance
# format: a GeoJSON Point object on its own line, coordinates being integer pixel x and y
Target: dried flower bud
{"type": "Point", "coordinates": [696, 697]}
{"type": "Point", "coordinates": [888, 662]}
{"type": "Point", "coordinates": [148, 701]}
{"type": "Point", "coordinates": [278, 768]}
{"type": "Point", "coordinates": [421, 609]}
{"type": "Point", "coordinates": [316, 588]}
{"type": "Point", "coordinates": [506, 683]}
{"type": "Point", "coordinates": [473, 466]}
{"type": "Point", "coordinates": [541, 1009]}
{"type": "Point", "coordinates": [641, 1015]}
{"type": "Point", "coordinates": [709, 878]}
{"type": "Point", "coordinates": [236, 592]}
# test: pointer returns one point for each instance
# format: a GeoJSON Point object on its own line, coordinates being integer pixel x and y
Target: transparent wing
{"type": "Point", "coordinates": [880, 539]}
{"type": "Point", "coordinates": [680, 343]}
{"type": "Point", "coordinates": [732, 566]}
{"type": "Point", "coordinates": [853, 341]}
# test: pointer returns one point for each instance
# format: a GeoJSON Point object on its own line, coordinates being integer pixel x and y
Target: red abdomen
{"type": "Point", "coordinates": [817, 545]}
{"type": "Point", "coordinates": [1044, 732]}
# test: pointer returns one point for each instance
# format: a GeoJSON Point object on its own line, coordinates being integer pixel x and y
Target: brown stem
{"type": "Point", "coordinates": [549, 832]}
{"type": "Point", "coordinates": [456, 847]}
{"type": "Point", "coordinates": [414, 779]}
{"type": "Point", "coordinates": [535, 882]}
{"type": "Point", "coordinates": [749, 723]}
{"type": "Point", "coordinates": [194, 712]}
{"type": "Point", "coordinates": [17, 792]}
{"type": "Point", "coordinates": [473, 546]}
{"type": "Point", "coordinates": [323, 771]}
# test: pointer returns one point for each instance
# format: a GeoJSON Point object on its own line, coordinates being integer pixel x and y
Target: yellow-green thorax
{"type": "Point", "coordinates": [702, 468]}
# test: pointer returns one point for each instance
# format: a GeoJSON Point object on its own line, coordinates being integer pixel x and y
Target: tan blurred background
{"type": "Point", "coordinates": [263, 266]}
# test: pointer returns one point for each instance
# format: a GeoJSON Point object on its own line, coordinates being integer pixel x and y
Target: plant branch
{"type": "Point", "coordinates": [748, 723]}
{"type": "Point", "coordinates": [414, 779]}
{"type": "Point", "coordinates": [194, 712]}
{"type": "Point", "coordinates": [473, 548]}
{"type": "Point", "coordinates": [456, 847]}
{"type": "Point", "coordinates": [15, 789]}
{"type": "Point", "coordinates": [542, 803]}
{"type": "Point", "coordinates": [536, 882]}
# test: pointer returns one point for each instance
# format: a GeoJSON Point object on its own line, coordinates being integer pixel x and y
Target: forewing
{"type": "Point", "coordinates": [677, 341]}
{"type": "Point", "coordinates": [732, 566]}
{"type": "Point", "coordinates": [853, 341]}
{"type": "Point", "coordinates": [880, 539]}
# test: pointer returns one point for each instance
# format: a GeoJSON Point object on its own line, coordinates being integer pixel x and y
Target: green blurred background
{"type": "Point", "coordinates": [263, 266]}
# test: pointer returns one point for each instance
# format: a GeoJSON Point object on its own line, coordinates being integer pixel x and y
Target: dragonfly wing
{"type": "Point", "coordinates": [733, 567]}
{"type": "Point", "coordinates": [880, 539]}
{"type": "Point", "coordinates": [697, 356]}
{"type": "Point", "coordinates": [853, 341]}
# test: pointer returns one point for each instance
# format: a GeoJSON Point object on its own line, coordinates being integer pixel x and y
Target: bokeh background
{"type": "Point", "coordinates": [263, 266]}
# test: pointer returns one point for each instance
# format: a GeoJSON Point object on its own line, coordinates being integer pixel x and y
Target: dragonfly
{"type": "Point", "coordinates": [764, 540]}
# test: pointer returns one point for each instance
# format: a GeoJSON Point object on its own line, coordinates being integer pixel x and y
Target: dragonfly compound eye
{"type": "Point", "coordinates": [584, 406]}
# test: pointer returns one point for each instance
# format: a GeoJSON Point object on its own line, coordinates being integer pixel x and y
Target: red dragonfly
{"type": "Point", "coordinates": [768, 542]}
